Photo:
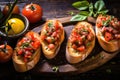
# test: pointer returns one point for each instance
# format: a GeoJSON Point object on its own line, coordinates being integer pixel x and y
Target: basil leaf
{"type": "Point", "coordinates": [81, 5]}
{"type": "Point", "coordinates": [85, 13]}
{"type": "Point", "coordinates": [95, 14]}
{"type": "Point", "coordinates": [78, 17]}
{"type": "Point", "coordinates": [91, 9]}
{"type": "Point", "coordinates": [99, 5]}
{"type": "Point", "coordinates": [103, 12]}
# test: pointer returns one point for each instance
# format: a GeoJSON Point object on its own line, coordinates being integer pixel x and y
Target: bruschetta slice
{"type": "Point", "coordinates": [27, 52]}
{"type": "Point", "coordinates": [108, 32]}
{"type": "Point", "coordinates": [52, 36]}
{"type": "Point", "coordinates": [80, 42]}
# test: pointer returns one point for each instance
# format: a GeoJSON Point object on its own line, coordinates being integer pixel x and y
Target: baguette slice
{"type": "Point", "coordinates": [52, 36]}
{"type": "Point", "coordinates": [77, 54]}
{"type": "Point", "coordinates": [19, 63]}
{"type": "Point", "coordinates": [109, 46]}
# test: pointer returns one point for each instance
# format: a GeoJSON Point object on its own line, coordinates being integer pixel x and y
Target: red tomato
{"type": "Point", "coordinates": [74, 46]}
{"type": "Point", "coordinates": [99, 25]}
{"type": "Point", "coordinates": [49, 39]}
{"type": "Point", "coordinates": [73, 39]}
{"type": "Point", "coordinates": [54, 34]}
{"type": "Point", "coordinates": [5, 56]}
{"type": "Point", "coordinates": [36, 44]}
{"type": "Point", "coordinates": [33, 12]}
{"type": "Point", "coordinates": [51, 46]}
{"type": "Point", "coordinates": [43, 37]}
{"type": "Point", "coordinates": [108, 36]}
{"type": "Point", "coordinates": [81, 48]}
{"type": "Point", "coordinates": [16, 9]}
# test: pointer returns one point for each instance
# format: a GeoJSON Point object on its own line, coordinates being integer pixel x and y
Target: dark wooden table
{"type": "Point", "coordinates": [58, 9]}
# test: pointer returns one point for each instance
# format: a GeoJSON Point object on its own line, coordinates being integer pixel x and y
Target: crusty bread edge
{"type": "Point", "coordinates": [21, 66]}
{"type": "Point", "coordinates": [76, 59]}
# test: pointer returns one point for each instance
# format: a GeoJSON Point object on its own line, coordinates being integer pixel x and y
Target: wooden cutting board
{"type": "Point", "coordinates": [59, 64]}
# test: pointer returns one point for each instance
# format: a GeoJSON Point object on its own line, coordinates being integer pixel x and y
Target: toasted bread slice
{"type": "Point", "coordinates": [20, 64]}
{"type": "Point", "coordinates": [77, 54]}
{"type": "Point", "coordinates": [111, 44]}
{"type": "Point", "coordinates": [52, 36]}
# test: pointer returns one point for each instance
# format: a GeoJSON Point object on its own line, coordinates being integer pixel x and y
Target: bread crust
{"type": "Point", "coordinates": [22, 66]}
{"type": "Point", "coordinates": [51, 53]}
{"type": "Point", "coordinates": [73, 57]}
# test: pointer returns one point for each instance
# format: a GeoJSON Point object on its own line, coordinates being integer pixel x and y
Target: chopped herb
{"type": "Point", "coordinates": [101, 56]}
{"type": "Point", "coordinates": [55, 68]}
{"type": "Point", "coordinates": [88, 44]}
{"type": "Point", "coordinates": [71, 13]}
{"type": "Point", "coordinates": [50, 24]}
{"type": "Point", "coordinates": [83, 38]}
{"type": "Point", "coordinates": [28, 77]}
{"type": "Point", "coordinates": [108, 70]}
{"type": "Point", "coordinates": [53, 39]}
{"type": "Point", "coordinates": [93, 57]}
{"type": "Point", "coordinates": [25, 44]}
{"type": "Point", "coordinates": [113, 62]}
{"type": "Point", "coordinates": [105, 23]}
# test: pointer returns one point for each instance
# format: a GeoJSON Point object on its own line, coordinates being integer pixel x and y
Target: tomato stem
{"type": "Point", "coordinates": [4, 49]}
{"type": "Point", "coordinates": [32, 7]}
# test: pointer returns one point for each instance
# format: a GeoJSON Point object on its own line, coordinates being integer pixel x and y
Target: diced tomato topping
{"type": "Point", "coordinates": [31, 35]}
{"type": "Point", "coordinates": [57, 25]}
{"type": "Point", "coordinates": [20, 42]}
{"type": "Point", "coordinates": [28, 54]}
{"type": "Point", "coordinates": [28, 49]}
{"type": "Point", "coordinates": [73, 39]}
{"type": "Point", "coordinates": [103, 19]}
{"type": "Point", "coordinates": [36, 44]}
{"type": "Point", "coordinates": [20, 52]}
{"type": "Point", "coordinates": [74, 33]}
{"type": "Point", "coordinates": [74, 46]}
{"type": "Point", "coordinates": [79, 39]}
{"type": "Point", "coordinates": [25, 59]}
{"type": "Point", "coordinates": [54, 34]}
{"type": "Point", "coordinates": [43, 37]}
{"type": "Point", "coordinates": [99, 24]}
{"type": "Point", "coordinates": [108, 36]}
{"type": "Point", "coordinates": [90, 36]}
{"type": "Point", "coordinates": [49, 39]}
{"type": "Point", "coordinates": [51, 46]}
{"type": "Point", "coordinates": [81, 48]}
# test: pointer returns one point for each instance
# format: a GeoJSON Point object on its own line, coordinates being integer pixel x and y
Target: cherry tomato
{"type": "Point", "coordinates": [33, 12]}
{"type": "Point", "coordinates": [16, 9]}
{"type": "Point", "coordinates": [5, 54]}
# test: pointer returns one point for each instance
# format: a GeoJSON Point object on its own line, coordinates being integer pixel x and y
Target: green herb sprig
{"type": "Point", "coordinates": [88, 9]}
